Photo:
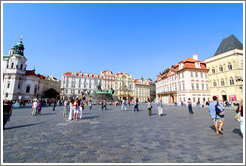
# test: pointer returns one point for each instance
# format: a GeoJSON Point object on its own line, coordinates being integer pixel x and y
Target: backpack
{"type": "Point", "coordinates": [219, 111]}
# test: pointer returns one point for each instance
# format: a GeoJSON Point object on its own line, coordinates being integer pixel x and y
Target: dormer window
{"type": "Point", "coordinates": [197, 65]}
{"type": "Point", "coordinates": [181, 66]}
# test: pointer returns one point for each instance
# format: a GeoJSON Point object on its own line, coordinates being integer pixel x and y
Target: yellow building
{"type": "Point", "coordinates": [124, 86]}
{"type": "Point", "coordinates": [142, 89]}
{"type": "Point", "coordinates": [226, 70]}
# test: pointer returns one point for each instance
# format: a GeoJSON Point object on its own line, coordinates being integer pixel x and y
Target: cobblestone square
{"type": "Point", "coordinates": [114, 136]}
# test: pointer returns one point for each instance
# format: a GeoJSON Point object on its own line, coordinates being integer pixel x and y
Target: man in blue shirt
{"type": "Point", "coordinates": [215, 117]}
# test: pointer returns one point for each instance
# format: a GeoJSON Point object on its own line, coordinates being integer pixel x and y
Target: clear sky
{"type": "Point", "coordinates": [139, 39]}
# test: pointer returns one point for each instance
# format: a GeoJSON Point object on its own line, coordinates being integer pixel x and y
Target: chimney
{"type": "Point", "coordinates": [195, 56]}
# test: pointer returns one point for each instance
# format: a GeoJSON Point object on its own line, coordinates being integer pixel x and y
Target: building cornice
{"type": "Point", "coordinates": [235, 52]}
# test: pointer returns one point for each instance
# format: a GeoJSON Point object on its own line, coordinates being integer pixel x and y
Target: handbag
{"type": "Point", "coordinates": [238, 116]}
{"type": "Point", "coordinates": [219, 110]}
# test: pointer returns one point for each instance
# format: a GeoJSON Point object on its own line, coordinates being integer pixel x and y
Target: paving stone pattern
{"type": "Point", "coordinates": [114, 136]}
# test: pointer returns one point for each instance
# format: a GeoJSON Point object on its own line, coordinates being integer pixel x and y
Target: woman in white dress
{"type": "Point", "coordinates": [70, 117]}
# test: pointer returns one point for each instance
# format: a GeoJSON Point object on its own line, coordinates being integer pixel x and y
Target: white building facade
{"type": "Point", "coordinates": [187, 79]}
{"type": "Point", "coordinates": [77, 84]}
{"type": "Point", "coordinates": [19, 83]}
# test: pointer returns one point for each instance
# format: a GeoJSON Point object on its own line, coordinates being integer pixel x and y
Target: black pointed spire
{"type": "Point", "coordinates": [229, 43]}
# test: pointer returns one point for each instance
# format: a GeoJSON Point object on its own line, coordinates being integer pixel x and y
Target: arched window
{"type": "Point", "coordinates": [222, 82]}
{"type": "Point", "coordinates": [12, 65]}
{"type": "Point", "coordinates": [21, 66]}
{"type": "Point", "coordinates": [231, 81]}
{"type": "Point", "coordinates": [214, 83]}
{"type": "Point", "coordinates": [221, 68]}
{"type": "Point", "coordinates": [229, 66]}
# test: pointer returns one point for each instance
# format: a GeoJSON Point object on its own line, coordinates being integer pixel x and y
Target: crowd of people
{"type": "Point", "coordinates": [73, 109]}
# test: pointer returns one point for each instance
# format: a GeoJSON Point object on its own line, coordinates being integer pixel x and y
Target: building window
{"type": "Point", "coordinates": [222, 82]}
{"type": "Point", "coordinates": [196, 74]}
{"type": "Point", "coordinates": [194, 99]}
{"type": "Point", "coordinates": [207, 88]}
{"type": "Point", "coordinates": [202, 75]}
{"type": "Point", "coordinates": [191, 74]}
{"type": "Point", "coordinates": [192, 86]}
{"type": "Point", "coordinates": [8, 85]}
{"type": "Point", "coordinates": [213, 70]}
{"type": "Point", "coordinates": [221, 68]}
{"type": "Point", "coordinates": [35, 89]}
{"type": "Point", "coordinates": [202, 86]}
{"type": "Point", "coordinates": [21, 66]}
{"type": "Point", "coordinates": [179, 86]}
{"type": "Point", "coordinates": [19, 84]}
{"type": "Point", "coordinates": [78, 91]}
{"type": "Point", "coordinates": [66, 91]}
{"type": "Point", "coordinates": [214, 83]}
{"type": "Point", "coordinates": [183, 86]}
{"type": "Point", "coordinates": [231, 81]}
{"type": "Point", "coordinates": [229, 66]}
{"type": "Point", "coordinates": [6, 95]}
{"type": "Point", "coordinates": [12, 65]}
{"type": "Point", "coordinates": [197, 86]}
{"type": "Point", "coordinates": [28, 88]}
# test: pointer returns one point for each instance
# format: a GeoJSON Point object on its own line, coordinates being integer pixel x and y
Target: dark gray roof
{"type": "Point", "coordinates": [229, 43]}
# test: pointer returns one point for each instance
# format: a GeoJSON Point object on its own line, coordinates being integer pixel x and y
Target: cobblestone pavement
{"type": "Point", "coordinates": [114, 136]}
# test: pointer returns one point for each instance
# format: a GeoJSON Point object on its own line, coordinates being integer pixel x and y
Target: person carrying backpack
{"type": "Point", "coordinates": [215, 109]}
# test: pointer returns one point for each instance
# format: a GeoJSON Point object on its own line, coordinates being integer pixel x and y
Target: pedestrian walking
{"type": "Point", "coordinates": [39, 108]}
{"type": "Point", "coordinates": [239, 112]}
{"type": "Point", "coordinates": [105, 104]}
{"type": "Point", "coordinates": [217, 119]}
{"type": "Point", "coordinates": [190, 106]}
{"type": "Point", "coordinates": [80, 110]}
{"type": "Point", "coordinates": [149, 106]}
{"type": "Point", "coordinates": [123, 105]}
{"type": "Point", "coordinates": [34, 107]}
{"type": "Point", "coordinates": [136, 105]}
{"type": "Point", "coordinates": [65, 109]}
{"type": "Point", "coordinates": [160, 108]}
{"type": "Point", "coordinates": [71, 111]}
{"type": "Point", "coordinates": [54, 106]}
{"type": "Point", "coordinates": [129, 102]}
{"type": "Point", "coordinates": [76, 110]}
{"type": "Point", "coordinates": [7, 112]}
{"type": "Point", "coordinates": [90, 104]}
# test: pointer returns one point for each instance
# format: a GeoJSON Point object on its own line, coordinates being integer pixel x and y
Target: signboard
{"type": "Point", "coordinates": [232, 98]}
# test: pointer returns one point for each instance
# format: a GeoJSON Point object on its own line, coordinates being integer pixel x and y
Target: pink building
{"type": "Point", "coordinates": [108, 79]}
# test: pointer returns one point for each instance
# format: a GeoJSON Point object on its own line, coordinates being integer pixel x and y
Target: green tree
{"type": "Point", "coordinates": [51, 93]}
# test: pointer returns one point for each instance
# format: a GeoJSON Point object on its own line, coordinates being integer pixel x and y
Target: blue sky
{"type": "Point", "coordinates": [139, 39]}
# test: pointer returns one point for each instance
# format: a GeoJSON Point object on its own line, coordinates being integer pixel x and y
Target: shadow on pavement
{"type": "Point", "coordinates": [90, 117]}
{"type": "Point", "coordinates": [238, 131]}
{"type": "Point", "coordinates": [213, 128]}
{"type": "Point", "coordinates": [23, 126]}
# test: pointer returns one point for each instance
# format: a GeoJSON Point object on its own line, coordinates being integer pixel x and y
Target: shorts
{"type": "Point", "coordinates": [220, 120]}
{"type": "Point", "coordinates": [76, 110]}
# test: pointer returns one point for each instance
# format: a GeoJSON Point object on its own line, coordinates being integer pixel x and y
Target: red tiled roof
{"type": "Point", "coordinates": [41, 76]}
{"type": "Point", "coordinates": [30, 73]}
{"type": "Point", "coordinates": [67, 73]}
{"type": "Point", "coordinates": [189, 63]}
